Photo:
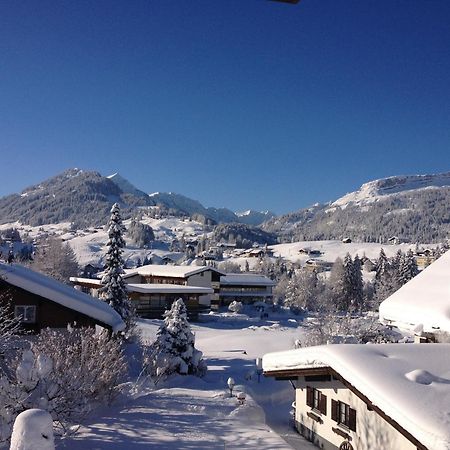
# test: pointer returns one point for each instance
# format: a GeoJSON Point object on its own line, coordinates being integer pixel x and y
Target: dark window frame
{"type": "Point", "coordinates": [316, 399]}
{"type": "Point", "coordinates": [343, 414]}
{"type": "Point", "coordinates": [24, 316]}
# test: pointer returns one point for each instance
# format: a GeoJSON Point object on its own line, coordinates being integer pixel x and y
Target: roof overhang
{"type": "Point", "coordinates": [291, 374]}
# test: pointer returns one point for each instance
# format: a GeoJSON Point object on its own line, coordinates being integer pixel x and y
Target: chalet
{"type": "Point", "coordinates": [422, 305]}
{"type": "Point", "coordinates": [424, 258]}
{"type": "Point", "coordinates": [153, 288]}
{"type": "Point", "coordinates": [310, 252]}
{"type": "Point", "coordinates": [369, 397]}
{"type": "Point", "coordinates": [318, 265]}
{"type": "Point", "coordinates": [247, 288]}
{"type": "Point", "coordinates": [42, 302]}
{"type": "Point", "coordinates": [258, 252]}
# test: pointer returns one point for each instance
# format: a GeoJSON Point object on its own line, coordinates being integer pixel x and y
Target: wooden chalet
{"type": "Point", "coordinates": [42, 302]}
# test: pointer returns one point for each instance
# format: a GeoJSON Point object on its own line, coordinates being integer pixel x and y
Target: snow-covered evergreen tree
{"type": "Point", "coordinates": [407, 269]}
{"type": "Point", "coordinates": [381, 266]}
{"type": "Point", "coordinates": [357, 284]}
{"type": "Point", "coordinates": [114, 290]}
{"type": "Point", "coordinates": [337, 289]}
{"type": "Point", "coordinates": [291, 296]}
{"type": "Point", "coordinates": [174, 349]}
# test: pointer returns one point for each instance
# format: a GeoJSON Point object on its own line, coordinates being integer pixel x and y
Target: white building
{"type": "Point", "coordinates": [153, 288]}
{"type": "Point", "coordinates": [247, 288]}
{"type": "Point", "coordinates": [423, 304]}
{"type": "Point", "coordinates": [369, 397]}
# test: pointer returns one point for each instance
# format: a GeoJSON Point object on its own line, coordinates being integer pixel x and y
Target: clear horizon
{"type": "Point", "coordinates": [240, 104]}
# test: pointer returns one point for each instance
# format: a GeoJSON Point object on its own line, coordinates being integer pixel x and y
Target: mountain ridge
{"type": "Point", "coordinates": [85, 198]}
{"type": "Point", "coordinates": [414, 208]}
{"type": "Point", "coordinates": [373, 190]}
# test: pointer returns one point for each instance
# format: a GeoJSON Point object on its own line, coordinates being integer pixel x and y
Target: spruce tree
{"type": "Point", "coordinates": [357, 284]}
{"type": "Point", "coordinates": [114, 290]}
{"type": "Point", "coordinates": [174, 349]}
{"type": "Point", "coordinates": [381, 266]}
{"type": "Point", "coordinates": [407, 268]}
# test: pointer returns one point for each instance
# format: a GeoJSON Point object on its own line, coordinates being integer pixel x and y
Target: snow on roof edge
{"type": "Point", "coordinates": [62, 294]}
{"type": "Point", "coordinates": [380, 372]}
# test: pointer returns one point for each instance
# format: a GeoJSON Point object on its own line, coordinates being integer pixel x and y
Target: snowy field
{"type": "Point", "coordinates": [194, 413]}
{"type": "Point", "coordinates": [90, 245]}
{"type": "Point", "coordinates": [331, 250]}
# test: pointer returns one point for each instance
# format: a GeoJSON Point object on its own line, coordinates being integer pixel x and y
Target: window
{"type": "Point", "coordinates": [343, 414]}
{"type": "Point", "coordinates": [26, 313]}
{"type": "Point", "coordinates": [316, 400]}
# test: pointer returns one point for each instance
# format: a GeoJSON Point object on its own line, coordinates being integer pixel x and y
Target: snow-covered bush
{"type": "Point", "coordinates": [340, 328]}
{"type": "Point", "coordinates": [236, 307]}
{"type": "Point", "coordinates": [33, 430]}
{"type": "Point", "coordinates": [174, 349]}
{"type": "Point", "coordinates": [9, 325]}
{"type": "Point", "coordinates": [66, 373]}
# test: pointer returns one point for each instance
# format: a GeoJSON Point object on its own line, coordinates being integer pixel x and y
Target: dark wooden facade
{"type": "Point", "coordinates": [153, 306]}
{"type": "Point", "coordinates": [48, 313]}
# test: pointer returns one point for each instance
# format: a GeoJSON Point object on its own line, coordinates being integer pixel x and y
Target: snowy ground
{"type": "Point", "coordinates": [193, 413]}
{"type": "Point", "coordinates": [330, 250]}
{"type": "Point", "coordinates": [89, 245]}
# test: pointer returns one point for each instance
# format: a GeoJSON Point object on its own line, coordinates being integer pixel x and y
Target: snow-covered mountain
{"type": "Point", "coordinates": [413, 208]}
{"type": "Point", "coordinates": [85, 198]}
{"type": "Point", "coordinates": [81, 197]}
{"type": "Point", "coordinates": [377, 189]}
{"type": "Point", "coordinates": [125, 186]}
{"type": "Point", "coordinates": [251, 217]}
{"type": "Point", "coordinates": [218, 215]}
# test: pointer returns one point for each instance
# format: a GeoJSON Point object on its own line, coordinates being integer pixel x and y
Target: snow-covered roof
{"type": "Point", "coordinates": [169, 271]}
{"type": "Point", "coordinates": [61, 293]}
{"type": "Point", "coordinates": [168, 289]}
{"type": "Point", "coordinates": [410, 383]}
{"type": "Point", "coordinates": [246, 279]}
{"type": "Point", "coordinates": [424, 302]}
{"type": "Point", "coordinates": [93, 281]}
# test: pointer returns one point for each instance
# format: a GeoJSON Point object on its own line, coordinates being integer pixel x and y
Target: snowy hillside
{"type": "Point", "coordinates": [125, 185]}
{"type": "Point", "coordinates": [413, 208]}
{"type": "Point", "coordinates": [251, 217]}
{"type": "Point", "coordinates": [374, 190]}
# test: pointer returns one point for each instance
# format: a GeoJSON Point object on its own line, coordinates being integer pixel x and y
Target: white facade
{"type": "Point", "coordinates": [393, 396]}
{"type": "Point", "coordinates": [372, 431]}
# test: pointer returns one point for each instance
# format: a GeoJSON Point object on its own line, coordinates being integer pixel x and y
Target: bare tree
{"type": "Point", "coordinates": [56, 259]}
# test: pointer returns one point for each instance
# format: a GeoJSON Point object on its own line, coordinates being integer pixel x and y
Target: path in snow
{"type": "Point", "coordinates": [193, 413]}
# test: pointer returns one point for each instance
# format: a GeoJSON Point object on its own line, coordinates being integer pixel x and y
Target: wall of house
{"type": "Point", "coordinates": [203, 279]}
{"type": "Point", "coordinates": [48, 313]}
{"type": "Point", "coordinates": [372, 431]}
{"type": "Point", "coordinates": [134, 279]}
{"type": "Point", "coordinates": [153, 306]}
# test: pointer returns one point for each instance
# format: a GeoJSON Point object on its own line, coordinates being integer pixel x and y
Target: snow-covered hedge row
{"type": "Point", "coordinates": [66, 373]}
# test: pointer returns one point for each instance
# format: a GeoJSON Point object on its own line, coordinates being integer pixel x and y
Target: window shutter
{"type": "Point", "coordinates": [352, 419]}
{"type": "Point", "coordinates": [310, 396]}
{"type": "Point", "coordinates": [334, 410]}
{"type": "Point", "coordinates": [323, 404]}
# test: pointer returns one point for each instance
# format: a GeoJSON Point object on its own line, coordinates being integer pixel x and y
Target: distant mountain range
{"type": "Point", "coordinates": [412, 208]}
{"type": "Point", "coordinates": [85, 198]}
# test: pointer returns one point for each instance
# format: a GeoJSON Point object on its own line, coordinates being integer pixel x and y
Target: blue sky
{"type": "Point", "coordinates": [236, 103]}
